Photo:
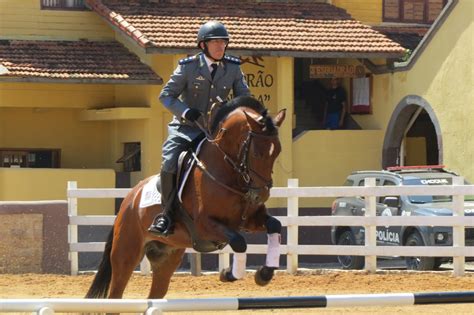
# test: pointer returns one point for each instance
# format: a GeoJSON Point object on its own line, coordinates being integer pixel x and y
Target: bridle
{"type": "Point", "coordinates": [241, 166]}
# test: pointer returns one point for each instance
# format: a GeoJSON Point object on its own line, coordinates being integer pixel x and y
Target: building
{"type": "Point", "coordinates": [79, 86]}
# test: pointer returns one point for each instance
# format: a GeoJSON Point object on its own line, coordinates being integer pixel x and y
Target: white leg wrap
{"type": "Point", "coordinates": [273, 250]}
{"type": "Point", "coordinates": [238, 265]}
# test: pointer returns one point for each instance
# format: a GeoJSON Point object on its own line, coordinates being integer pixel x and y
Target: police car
{"type": "Point", "coordinates": [410, 205]}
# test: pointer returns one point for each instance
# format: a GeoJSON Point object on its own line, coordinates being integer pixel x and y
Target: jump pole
{"type": "Point", "coordinates": [49, 306]}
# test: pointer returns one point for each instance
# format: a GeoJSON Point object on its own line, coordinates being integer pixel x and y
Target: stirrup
{"type": "Point", "coordinates": [153, 229]}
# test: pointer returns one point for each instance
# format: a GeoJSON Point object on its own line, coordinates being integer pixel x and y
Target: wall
{"type": "Point", "coordinates": [444, 77]}
{"type": "Point", "coordinates": [326, 157]}
{"type": "Point", "coordinates": [366, 11]}
{"type": "Point", "coordinates": [34, 237]}
{"type": "Point", "coordinates": [25, 20]}
{"type": "Point", "coordinates": [82, 144]}
{"type": "Point", "coordinates": [27, 184]}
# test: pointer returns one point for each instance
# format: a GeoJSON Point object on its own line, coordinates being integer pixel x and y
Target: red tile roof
{"type": "Point", "coordinates": [275, 28]}
{"type": "Point", "coordinates": [408, 37]}
{"type": "Point", "coordinates": [78, 61]}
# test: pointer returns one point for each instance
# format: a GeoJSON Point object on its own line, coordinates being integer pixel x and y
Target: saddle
{"type": "Point", "coordinates": [185, 166]}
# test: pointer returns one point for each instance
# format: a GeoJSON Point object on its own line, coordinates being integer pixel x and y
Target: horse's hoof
{"type": "Point", "coordinates": [264, 275]}
{"type": "Point", "coordinates": [226, 275]}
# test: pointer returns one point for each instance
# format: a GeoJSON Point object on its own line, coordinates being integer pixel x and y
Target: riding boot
{"type": "Point", "coordinates": [163, 223]}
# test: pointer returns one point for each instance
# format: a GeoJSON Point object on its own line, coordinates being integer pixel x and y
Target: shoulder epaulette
{"type": "Point", "coordinates": [188, 59]}
{"type": "Point", "coordinates": [232, 59]}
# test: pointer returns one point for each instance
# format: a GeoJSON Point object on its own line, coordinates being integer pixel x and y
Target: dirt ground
{"type": "Point", "coordinates": [305, 283]}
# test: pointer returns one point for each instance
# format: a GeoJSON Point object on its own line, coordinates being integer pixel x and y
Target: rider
{"type": "Point", "coordinates": [196, 83]}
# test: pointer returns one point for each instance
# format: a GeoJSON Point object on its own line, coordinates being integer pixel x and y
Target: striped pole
{"type": "Point", "coordinates": [47, 306]}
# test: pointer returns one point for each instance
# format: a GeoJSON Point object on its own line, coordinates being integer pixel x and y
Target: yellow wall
{"type": "Point", "coordinates": [326, 157]}
{"type": "Point", "coordinates": [82, 144]}
{"type": "Point", "coordinates": [366, 11]}
{"type": "Point", "coordinates": [56, 95]}
{"type": "Point", "coordinates": [24, 19]}
{"type": "Point", "coordinates": [27, 184]}
{"type": "Point", "coordinates": [444, 77]}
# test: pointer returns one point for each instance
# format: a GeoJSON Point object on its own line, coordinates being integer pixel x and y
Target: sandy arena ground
{"type": "Point", "coordinates": [312, 283]}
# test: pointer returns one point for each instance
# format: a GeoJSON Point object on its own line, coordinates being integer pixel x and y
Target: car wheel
{"type": "Point", "coordinates": [418, 263]}
{"type": "Point", "coordinates": [349, 262]}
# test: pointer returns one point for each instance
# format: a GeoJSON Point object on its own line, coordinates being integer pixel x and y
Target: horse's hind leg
{"type": "Point", "coordinates": [127, 252]}
{"type": "Point", "coordinates": [164, 260]}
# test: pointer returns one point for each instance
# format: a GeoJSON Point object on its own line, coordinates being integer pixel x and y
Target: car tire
{"type": "Point", "coordinates": [349, 262]}
{"type": "Point", "coordinates": [418, 263]}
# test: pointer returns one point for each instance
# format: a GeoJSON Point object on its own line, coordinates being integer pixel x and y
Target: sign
{"type": "Point", "coordinates": [336, 71]}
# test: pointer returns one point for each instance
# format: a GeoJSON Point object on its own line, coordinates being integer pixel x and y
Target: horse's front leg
{"type": "Point", "coordinates": [217, 231]}
{"type": "Point", "coordinates": [263, 221]}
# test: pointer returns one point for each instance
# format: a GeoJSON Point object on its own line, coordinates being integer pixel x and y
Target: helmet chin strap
{"type": "Point", "coordinates": [206, 52]}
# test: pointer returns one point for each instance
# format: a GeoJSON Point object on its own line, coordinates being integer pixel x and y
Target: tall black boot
{"type": "Point", "coordinates": [163, 223]}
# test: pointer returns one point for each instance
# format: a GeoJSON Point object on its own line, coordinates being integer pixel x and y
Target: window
{"type": "Point", "coordinates": [131, 157]}
{"type": "Point", "coordinates": [412, 11]}
{"type": "Point", "coordinates": [34, 158]}
{"type": "Point", "coordinates": [63, 4]}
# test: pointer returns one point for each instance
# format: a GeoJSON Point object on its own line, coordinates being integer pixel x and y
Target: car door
{"type": "Point", "coordinates": [388, 235]}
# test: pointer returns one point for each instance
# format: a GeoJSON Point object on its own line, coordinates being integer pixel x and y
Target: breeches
{"type": "Point", "coordinates": [172, 147]}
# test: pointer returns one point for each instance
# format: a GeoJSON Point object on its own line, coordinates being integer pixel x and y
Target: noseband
{"type": "Point", "coordinates": [242, 167]}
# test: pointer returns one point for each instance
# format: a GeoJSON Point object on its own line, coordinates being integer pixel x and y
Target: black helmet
{"type": "Point", "coordinates": [212, 30]}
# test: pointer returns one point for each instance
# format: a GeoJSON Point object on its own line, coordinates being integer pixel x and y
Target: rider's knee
{"type": "Point", "coordinates": [273, 225]}
{"type": "Point", "coordinates": [238, 243]}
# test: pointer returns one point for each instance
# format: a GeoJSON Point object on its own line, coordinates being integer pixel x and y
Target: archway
{"type": "Point", "coordinates": [413, 135]}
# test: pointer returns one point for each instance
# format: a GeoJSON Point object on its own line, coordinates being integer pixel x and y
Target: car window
{"type": "Point", "coordinates": [386, 182]}
{"type": "Point", "coordinates": [349, 182]}
{"type": "Point", "coordinates": [428, 182]}
{"type": "Point", "coordinates": [362, 183]}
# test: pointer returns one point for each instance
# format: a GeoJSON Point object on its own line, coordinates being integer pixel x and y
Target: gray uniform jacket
{"type": "Point", "coordinates": [191, 86]}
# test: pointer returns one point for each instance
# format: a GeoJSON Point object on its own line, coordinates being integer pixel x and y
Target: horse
{"type": "Point", "coordinates": [228, 183]}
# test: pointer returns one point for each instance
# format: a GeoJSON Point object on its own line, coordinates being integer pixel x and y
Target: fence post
{"type": "Point", "coordinates": [72, 231]}
{"type": "Point", "coordinates": [458, 231]}
{"type": "Point", "coordinates": [224, 261]}
{"type": "Point", "coordinates": [292, 230]}
{"type": "Point", "coordinates": [195, 262]}
{"type": "Point", "coordinates": [370, 230]}
{"type": "Point", "coordinates": [145, 267]}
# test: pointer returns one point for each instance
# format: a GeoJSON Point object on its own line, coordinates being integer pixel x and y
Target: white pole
{"type": "Point", "coordinates": [370, 230]}
{"type": "Point", "coordinates": [45, 311]}
{"type": "Point", "coordinates": [72, 235]}
{"type": "Point", "coordinates": [458, 230]}
{"type": "Point", "coordinates": [292, 229]}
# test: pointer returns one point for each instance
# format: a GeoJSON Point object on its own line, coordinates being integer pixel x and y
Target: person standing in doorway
{"type": "Point", "coordinates": [335, 108]}
{"type": "Point", "coordinates": [197, 83]}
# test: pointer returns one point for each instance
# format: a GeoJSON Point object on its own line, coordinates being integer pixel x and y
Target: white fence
{"type": "Point", "coordinates": [292, 193]}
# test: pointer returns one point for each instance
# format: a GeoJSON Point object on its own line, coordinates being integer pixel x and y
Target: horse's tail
{"type": "Point", "coordinates": [101, 283]}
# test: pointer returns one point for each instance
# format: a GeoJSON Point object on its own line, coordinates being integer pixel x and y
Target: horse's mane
{"type": "Point", "coordinates": [242, 101]}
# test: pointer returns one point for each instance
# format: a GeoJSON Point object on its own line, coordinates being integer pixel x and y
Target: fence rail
{"type": "Point", "coordinates": [292, 221]}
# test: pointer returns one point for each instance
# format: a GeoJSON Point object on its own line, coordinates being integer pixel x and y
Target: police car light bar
{"type": "Point", "coordinates": [415, 167]}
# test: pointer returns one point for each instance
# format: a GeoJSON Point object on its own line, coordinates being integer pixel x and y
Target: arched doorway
{"type": "Point", "coordinates": [413, 135]}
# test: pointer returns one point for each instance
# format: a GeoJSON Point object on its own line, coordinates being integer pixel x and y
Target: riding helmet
{"type": "Point", "coordinates": [212, 30]}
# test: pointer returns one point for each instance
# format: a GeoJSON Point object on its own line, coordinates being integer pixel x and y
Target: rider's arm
{"type": "Point", "coordinates": [240, 86]}
{"type": "Point", "coordinates": [172, 90]}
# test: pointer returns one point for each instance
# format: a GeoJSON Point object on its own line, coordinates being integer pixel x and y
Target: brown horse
{"type": "Point", "coordinates": [224, 194]}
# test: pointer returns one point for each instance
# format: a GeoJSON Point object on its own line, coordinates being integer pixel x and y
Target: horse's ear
{"type": "Point", "coordinates": [253, 123]}
{"type": "Point", "coordinates": [280, 117]}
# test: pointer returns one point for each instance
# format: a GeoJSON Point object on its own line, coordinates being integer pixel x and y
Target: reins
{"type": "Point", "coordinates": [252, 193]}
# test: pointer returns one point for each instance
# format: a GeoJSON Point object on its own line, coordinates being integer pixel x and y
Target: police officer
{"type": "Point", "coordinates": [197, 82]}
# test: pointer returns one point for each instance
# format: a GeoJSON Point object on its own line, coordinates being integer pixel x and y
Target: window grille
{"type": "Point", "coordinates": [63, 4]}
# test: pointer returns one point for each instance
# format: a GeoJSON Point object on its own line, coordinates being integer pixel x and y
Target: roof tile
{"type": "Point", "coordinates": [253, 25]}
{"type": "Point", "coordinates": [73, 59]}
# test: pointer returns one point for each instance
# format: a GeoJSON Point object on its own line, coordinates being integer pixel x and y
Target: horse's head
{"type": "Point", "coordinates": [249, 138]}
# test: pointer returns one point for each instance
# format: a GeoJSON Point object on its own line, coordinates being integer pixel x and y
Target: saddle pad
{"type": "Point", "coordinates": [150, 194]}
